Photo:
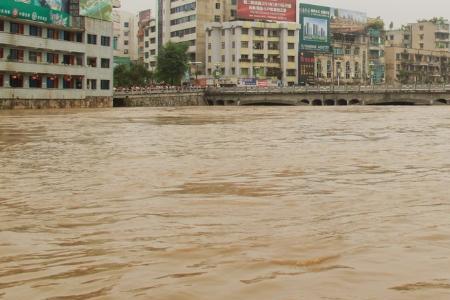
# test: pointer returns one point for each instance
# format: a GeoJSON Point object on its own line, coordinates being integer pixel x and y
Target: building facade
{"type": "Point", "coordinates": [418, 53]}
{"type": "Point", "coordinates": [241, 51]}
{"type": "Point", "coordinates": [125, 42]}
{"type": "Point", "coordinates": [348, 61]}
{"type": "Point", "coordinates": [184, 21]}
{"type": "Point", "coordinates": [150, 45]}
{"type": "Point", "coordinates": [53, 62]}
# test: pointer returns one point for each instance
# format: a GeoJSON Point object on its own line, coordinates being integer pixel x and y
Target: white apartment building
{"type": "Point", "coordinates": [242, 50]}
{"type": "Point", "coordinates": [150, 44]}
{"type": "Point", "coordinates": [41, 61]}
{"type": "Point", "coordinates": [125, 41]}
{"type": "Point", "coordinates": [185, 20]}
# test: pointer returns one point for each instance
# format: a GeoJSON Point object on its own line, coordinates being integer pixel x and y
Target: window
{"type": "Point", "coordinates": [52, 82]}
{"type": "Point", "coordinates": [153, 52]}
{"type": "Point", "coordinates": [244, 71]}
{"type": "Point", "coordinates": [125, 43]}
{"type": "Point", "coordinates": [35, 81]}
{"type": "Point", "coordinates": [16, 55]}
{"type": "Point", "coordinates": [291, 46]}
{"type": "Point", "coordinates": [291, 32]}
{"type": "Point", "coordinates": [209, 58]}
{"type": "Point", "coordinates": [233, 44]}
{"type": "Point", "coordinates": [146, 55]}
{"type": "Point", "coordinates": [244, 44]}
{"type": "Point", "coordinates": [2, 26]}
{"type": "Point", "coordinates": [152, 41]}
{"type": "Point", "coordinates": [348, 51]}
{"type": "Point", "coordinates": [79, 37]}
{"type": "Point", "coordinates": [1, 52]}
{"type": "Point", "coordinates": [223, 45]}
{"type": "Point", "coordinates": [16, 80]}
{"type": "Point", "coordinates": [92, 62]}
{"type": "Point", "coordinates": [105, 63]}
{"type": "Point", "coordinates": [126, 33]}
{"type": "Point", "coordinates": [291, 72]}
{"type": "Point", "coordinates": [233, 13]}
{"type": "Point", "coordinates": [68, 59]}
{"type": "Point", "coordinates": [34, 56]}
{"type": "Point", "coordinates": [1, 80]}
{"type": "Point", "coordinates": [146, 32]}
{"type": "Point", "coordinates": [104, 84]}
{"type": "Point", "coordinates": [52, 34]}
{"type": "Point", "coordinates": [16, 28]}
{"type": "Point", "coordinates": [217, 5]}
{"type": "Point", "coordinates": [125, 51]}
{"type": "Point", "coordinates": [105, 41]}
{"type": "Point", "coordinates": [115, 42]}
{"type": "Point", "coordinates": [147, 44]}
{"type": "Point", "coordinates": [259, 32]}
{"type": "Point", "coordinates": [216, 18]}
{"type": "Point", "coordinates": [126, 24]}
{"type": "Point", "coordinates": [92, 84]}
{"type": "Point", "coordinates": [291, 58]}
{"type": "Point", "coordinates": [35, 31]}
{"type": "Point", "coordinates": [68, 36]}
{"type": "Point", "coordinates": [356, 51]}
{"type": "Point", "coordinates": [244, 30]}
{"type": "Point", "coordinates": [92, 39]}
{"type": "Point", "coordinates": [52, 58]}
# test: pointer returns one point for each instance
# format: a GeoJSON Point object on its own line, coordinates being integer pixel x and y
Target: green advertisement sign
{"type": "Point", "coordinates": [315, 32]}
{"type": "Point", "coordinates": [96, 9]}
{"type": "Point", "coordinates": [53, 12]}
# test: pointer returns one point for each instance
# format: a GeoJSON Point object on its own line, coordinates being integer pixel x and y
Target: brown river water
{"type": "Point", "coordinates": [225, 203]}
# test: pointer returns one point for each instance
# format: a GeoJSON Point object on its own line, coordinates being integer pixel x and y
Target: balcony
{"type": "Point", "coordinates": [42, 68]}
{"type": "Point", "coordinates": [26, 41]}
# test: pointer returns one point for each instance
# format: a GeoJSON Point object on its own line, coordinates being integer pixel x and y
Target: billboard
{"type": "Point", "coordinates": [54, 12]}
{"type": "Point", "coordinates": [344, 20]}
{"type": "Point", "coordinates": [269, 10]}
{"type": "Point", "coordinates": [315, 23]}
{"type": "Point", "coordinates": [96, 9]}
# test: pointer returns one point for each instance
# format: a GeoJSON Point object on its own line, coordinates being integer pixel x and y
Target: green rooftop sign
{"type": "Point", "coordinates": [38, 11]}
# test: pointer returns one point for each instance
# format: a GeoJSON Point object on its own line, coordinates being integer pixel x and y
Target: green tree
{"type": "Point", "coordinates": [172, 63]}
{"type": "Point", "coordinates": [121, 76]}
{"type": "Point", "coordinates": [131, 74]}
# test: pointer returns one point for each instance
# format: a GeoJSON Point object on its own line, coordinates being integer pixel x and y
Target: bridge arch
{"type": "Point", "coordinates": [441, 101]}
{"type": "Point", "coordinates": [317, 102]}
{"type": "Point", "coordinates": [330, 102]}
{"type": "Point", "coordinates": [305, 102]}
{"type": "Point", "coordinates": [354, 102]}
{"type": "Point", "coordinates": [342, 102]}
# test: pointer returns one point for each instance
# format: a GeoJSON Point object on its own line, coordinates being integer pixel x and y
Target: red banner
{"type": "Point", "coordinates": [271, 10]}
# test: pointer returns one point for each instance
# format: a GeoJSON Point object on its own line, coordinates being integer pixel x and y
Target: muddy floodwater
{"type": "Point", "coordinates": [205, 203]}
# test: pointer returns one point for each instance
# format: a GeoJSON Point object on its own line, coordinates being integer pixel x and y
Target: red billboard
{"type": "Point", "coordinates": [270, 10]}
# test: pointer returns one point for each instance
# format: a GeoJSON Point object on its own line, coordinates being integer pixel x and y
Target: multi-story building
{"type": "Point", "coordinates": [184, 21]}
{"type": "Point", "coordinates": [125, 41]}
{"type": "Point", "coordinates": [418, 53]}
{"type": "Point", "coordinates": [44, 59]}
{"type": "Point", "coordinates": [416, 66]}
{"type": "Point", "coordinates": [348, 62]}
{"type": "Point", "coordinates": [147, 40]}
{"type": "Point", "coordinates": [150, 45]}
{"type": "Point", "coordinates": [376, 40]}
{"type": "Point", "coordinates": [241, 50]}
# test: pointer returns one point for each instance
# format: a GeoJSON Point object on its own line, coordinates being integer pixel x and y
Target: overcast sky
{"type": "Point", "coordinates": [398, 11]}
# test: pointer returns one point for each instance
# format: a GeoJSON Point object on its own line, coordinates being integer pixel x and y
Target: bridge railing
{"type": "Point", "coordinates": [161, 90]}
{"type": "Point", "coordinates": [331, 89]}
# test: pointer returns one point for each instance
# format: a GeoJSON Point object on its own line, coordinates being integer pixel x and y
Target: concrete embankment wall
{"type": "Point", "coordinates": [161, 100]}
{"type": "Point", "coordinates": [88, 102]}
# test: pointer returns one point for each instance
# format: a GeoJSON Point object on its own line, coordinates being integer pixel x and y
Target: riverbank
{"type": "Point", "coordinates": [89, 102]}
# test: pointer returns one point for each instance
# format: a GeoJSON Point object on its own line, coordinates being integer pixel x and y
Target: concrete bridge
{"type": "Point", "coordinates": [331, 96]}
